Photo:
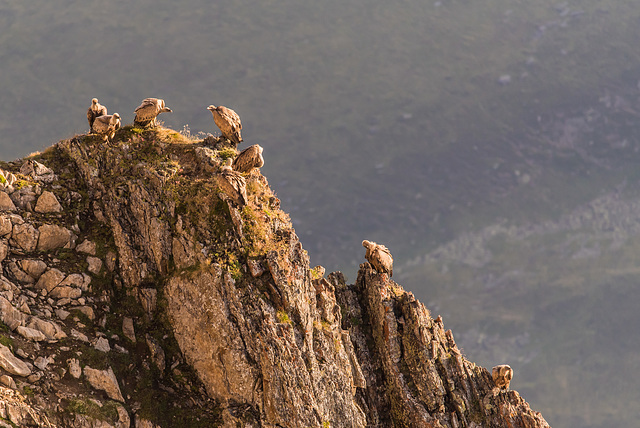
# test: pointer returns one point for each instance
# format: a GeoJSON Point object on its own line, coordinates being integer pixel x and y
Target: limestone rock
{"type": "Point", "coordinates": [53, 236]}
{"type": "Point", "coordinates": [95, 265]}
{"type": "Point", "coordinates": [5, 225]}
{"type": "Point", "coordinates": [34, 268]}
{"type": "Point", "coordinates": [102, 344]}
{"type": "Point", "coordinates": [50, 280]}
{"type": "Point", "coordinates": [11, 316]}
{"type": "Point", "coordinates": [31, 333]}
{"type": "Point", "coordinates": [87, 247]}
{"type": "Point", "coordinates": [157, 353]}
{"type": "Point", "coordinates": [8, 381]}
{"type": "Point", "coordinates": [104, 380]}
{"type": "Point", "coordinates": [128, 329]}
{"type": "Point", "coordinates": [6, 204]}
{"type": "Point", "coordinates": [50, 329]}
{"type": "Point", "coordinates": [65, 292]}
{"type": "Point", "coordinates": [12, 364]}
{"type": "Point", "coordinates": [48, 203]}
{"type": "Point", "coordinates": [24, 236]}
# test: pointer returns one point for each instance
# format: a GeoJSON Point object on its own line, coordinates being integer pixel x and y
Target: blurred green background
{"type": "Point", "coordinates": [492, 145]}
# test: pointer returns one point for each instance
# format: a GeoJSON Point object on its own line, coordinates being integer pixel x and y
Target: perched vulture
{"type": "Point", "coordinates": [502, 376]}
{"type": "Point", "coordinates": [147, 112]}
{"type": "Point", "coordinates": [249, 158]}
{"type": "Point", "coordinates": [228, 121]}
{"type": "Point", "coordinates": [96, 110]}
{"type": "Point", "coordinates": [379, 257]}
{"type": "Point", "coordinates": [232, 184]}
{"type": "Point", "coordinates": [107, 125]}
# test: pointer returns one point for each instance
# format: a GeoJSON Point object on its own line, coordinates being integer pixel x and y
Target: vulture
{"type": "Point", "coordinates": [379, 257]}
{"type": "Point", "coordinates": [249, 158]}
{"type": "Point", "coordinates": [502, 376]}
{"type": "Point", "coordinates": [232, 184]}
{"type": "Point", "coordinates": [107, 125]}
{"type": "Point", "coordinates": [147, 112]}
{"type": "Point", "coordinates": [228, 121]}
{"type": "Point", "coordinates": [96, 110]}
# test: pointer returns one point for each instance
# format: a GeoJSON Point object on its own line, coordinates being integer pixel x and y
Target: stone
{"type": "Point", "coordinates": [20, 275]}
{"type": "Point", "coordinates": [95, 265]}
{"type": "Point", "coordinates": [24, 236]}
{"type": "Point", "coordinates": [62, 314]}
{"type": "Point", "coordinates": [4, 249]}
{"type": "Point", "coordinates": [87, 311]}
{"type": "Point", "coordinates": [11, 316]}
{"type": "Point", "coordinates": [74, 368]}
{"type": "Point", "coordinates": [102, 344]}
{"type": "Point", "coordinates": [8, 381]}
{"type": "Point", "coordinates": [128, 330]}
{"type": "Point", "coordinates": [12, 364]}
{"type": "Point", "coordinates": [157, 353]}
{"type": "Point", "coordinates": [35, 268]}
{"type": "Point", "coordinates": [6, 204]}
{"type": "Point", "coordinates": [31, 334]}
{"type": "Point", "coordinates": [5, 225]}
{"type": "Point", "coordinates": [255, 268]}
{"type": "Point", "coordinates": [110, 260]}
{"type": "Point", "coordinates": [124, 421]}
{"type": "Point", "coordinates": [104, 380]}
{"type": "Point", "coordinates": [50, 280]}
{"type": "Point", "coordinates": [50, 329]}
{"type": "Point", "coordinates": [65, 292]}
{"type": "Point", "coordinates": [53, 236]}
{"type": "Point", "coordinates": [149, 298]}
{"type": "Point", "coordinates": [42, 362]}
{"type": "Point", "coordinates": [48, 203]}
{"type": "Point", "coordinates": [78, 335]}
{"type": "Point", "coordinates": [87, 247]}
{"type": "Point", "coordinates": [73, 280]}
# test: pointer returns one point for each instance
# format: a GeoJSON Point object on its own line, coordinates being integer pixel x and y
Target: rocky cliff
{"type": "Point", "coordinates": [135, 293]}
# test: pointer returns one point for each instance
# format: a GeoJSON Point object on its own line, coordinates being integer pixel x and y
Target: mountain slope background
{"type": "Point", "coordinates": [409, 123]}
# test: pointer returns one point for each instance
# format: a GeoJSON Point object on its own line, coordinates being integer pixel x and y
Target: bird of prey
{"type": "Point", "coordinates": [107, 125]}
{"type": "Point", "coordinates": [249, 158]}
{"type": "Point", "coordinates": [232, 184]}
{"type": "Point", "coordinates": [379, 256]}
{"type": "Point", "coordinates": [147, 112]}
{"type": "Point", "coordinates": [228, 121]}
{"type": "Point", "coordinates": [96, 110]}
{"type": "Point", "coordinates": [502, 376]}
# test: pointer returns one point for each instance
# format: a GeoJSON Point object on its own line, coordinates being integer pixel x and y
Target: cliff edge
{"type": "Point", "coordinates": [135, 292]}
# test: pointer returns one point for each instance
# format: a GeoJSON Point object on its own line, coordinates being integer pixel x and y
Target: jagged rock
{"type": "Point", "coordinates": [11, 364]}
{"type": "Point", "coordinates": [102, 344]}
{"type": "Point", "coordinates": [73, 280]}
{"type": "Point", "coordinates": [74, 368]}
{"type": "Point", "coordinates": [95, 265]}
{"type": "Point", "coordinates": [31, 334]}
{"type": "Point", "coordinates": [50, 329]}
{"type": "Point", "coordinates": [24, 236]}
{"type": "Point", "coordinates": [128, 329]}
{"type": "Point", "coordinates": [50, 280]}
{"type": "Point", "coordinates": [19, 274]}
{"type": "Point", "coordinates": [157, 353]}
{"type": "Point", "coordinates": [35, 268]}
{"type": "Point", "coordinates": [255, 268]}
{"type": "Point", "coordinates": [87, 311]}
{"type": "Point", "coordinates": [11, 316]}
{"type": "Point", "coordinates": [62, 314]}
{"type": "Point", "coordinates": [145, 423]}
{"type": "Point", "coordinates": [5, 225]}
{"type": "Point", "coordinates": [53, 236]}
{"type": "Point", "coordinates": [48, 203]}
{"type": "Point", "coordinates": [110, 260]}
{"type": "Point", "coordinates": [79, 335]}
{"type": "Point", "coordinates": [6, 204]}
{"type": "Point", "coordinates": [149, 300]}
{"type": "Point", "coordinates": [87, 247]}
{"type": "Point", "coordinates": [42, 362]}
{"type": "Point", "coordinates": [8, 381]}
{"type": "Point", "coordinates": [37, 171]}
{"type": "Point", "coordinates": [104, 380]}
{"type": "Point", "coordinates": [65, 292]}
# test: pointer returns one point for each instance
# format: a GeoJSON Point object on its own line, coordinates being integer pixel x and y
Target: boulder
{"type": "Point", "coordinates": [74, 368]}
{"type": "Point", "coordinates": [31, 333]}
{"type": "Point", "coordinates": [24, 236]}
{"type": "Point", "coordinates": [48, 203]}
{"type": "Point", "coordinates": [50, 280]}
{"type": "Point", "coordinates": [6, 204]}
{"type": "Point", "coordinates": [95, 265]}
{"type": "Point", "coordinates": [65, 292]}
{"type": "Point", "coordinates": [53, 236]}
{"type": "Point", "coordinates": [87, 247]}
{"type": "Point", "coordinates": [13, 364]}
{"type": "Point", "coordinates": [104, 380]}
{"type": "Point", "coordinates": [34, 268]}
{"type": "Point", "coordinates": [11, 316]}
{"type": "Point", "coordinates": [50, 329]}
{"type": "Point", "coordinates": [5, 225]}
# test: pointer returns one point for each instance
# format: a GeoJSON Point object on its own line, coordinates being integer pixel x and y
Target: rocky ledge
{"type": "Point", "coordinates": [134, 292]}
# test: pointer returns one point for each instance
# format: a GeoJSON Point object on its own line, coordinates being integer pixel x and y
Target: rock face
{"type": "Point", "coordinates": [181, 308]}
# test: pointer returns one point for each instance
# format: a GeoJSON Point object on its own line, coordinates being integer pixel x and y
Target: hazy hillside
{"type": "Point", "coordinates": [392, 121]}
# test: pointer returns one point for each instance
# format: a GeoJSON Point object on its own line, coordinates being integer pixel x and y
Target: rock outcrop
{"type": "Point", "coordinates": [180, 307]}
